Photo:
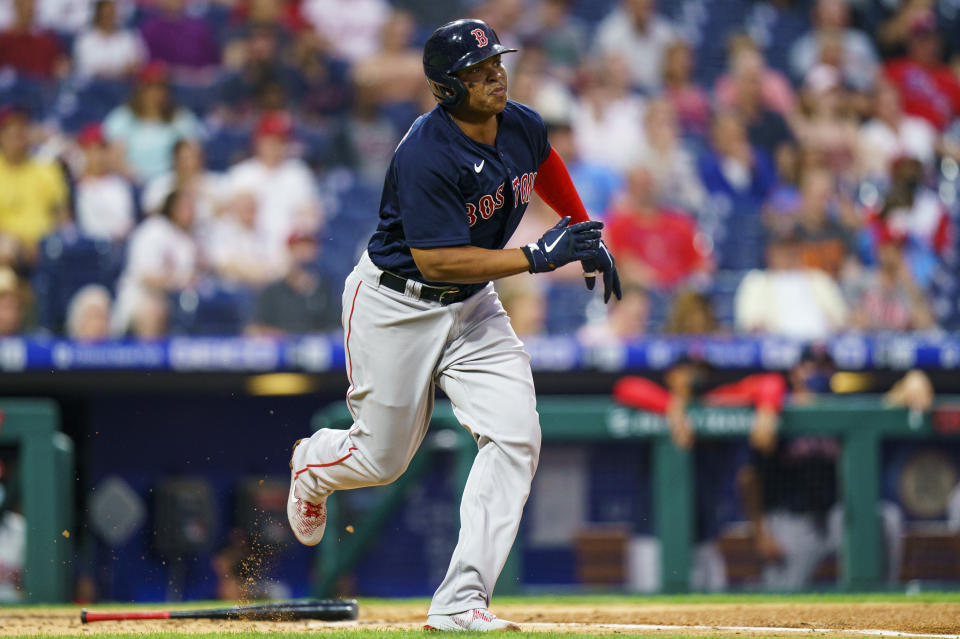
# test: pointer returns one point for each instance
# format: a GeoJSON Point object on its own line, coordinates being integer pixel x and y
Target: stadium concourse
{"type": "Point", "coordinates": [698, 134]}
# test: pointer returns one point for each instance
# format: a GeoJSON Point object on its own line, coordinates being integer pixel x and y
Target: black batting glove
{"type": "Point", "coordinates": [563, 244]}
{"type": "Point", "coordinates": [602, 260]}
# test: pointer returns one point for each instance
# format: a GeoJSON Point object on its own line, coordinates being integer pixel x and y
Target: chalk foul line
{"type": "Point", "coordinates": [671, 627]}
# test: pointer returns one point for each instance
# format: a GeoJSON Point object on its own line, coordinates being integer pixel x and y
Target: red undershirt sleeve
{"type": "Point", "coordinates": [555, 187]}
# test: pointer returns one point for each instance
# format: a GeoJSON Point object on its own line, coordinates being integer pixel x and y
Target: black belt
{"type": "Point", "coordinates": [444, 295]}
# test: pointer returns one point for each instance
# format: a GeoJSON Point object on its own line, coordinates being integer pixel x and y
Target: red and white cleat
{"type": "Point", "coordinates": [476, 620]}
{"type": "Point", "coordinates": [307, 519]}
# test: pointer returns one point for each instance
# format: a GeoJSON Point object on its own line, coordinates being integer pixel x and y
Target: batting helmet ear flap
{"type": "Point", "coordinates": [450, 93]}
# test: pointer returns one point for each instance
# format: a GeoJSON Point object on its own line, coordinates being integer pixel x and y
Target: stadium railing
{"type": "Point", "coordinates": [46, 481]}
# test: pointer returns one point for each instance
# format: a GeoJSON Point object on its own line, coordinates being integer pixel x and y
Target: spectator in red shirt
{"type": "Point", "coordinates": [28, 49]}
{"type": "Point", "coordinates": [658, 248]}
{"type": "Point", "coordinates": [928, 87]}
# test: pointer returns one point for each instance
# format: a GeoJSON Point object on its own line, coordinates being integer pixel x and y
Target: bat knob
{"type": "Point", "coordinates": [83, 615]}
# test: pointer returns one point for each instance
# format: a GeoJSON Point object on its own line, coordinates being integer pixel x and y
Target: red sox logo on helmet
{"type": "Point", "coordinates": [480, 36]}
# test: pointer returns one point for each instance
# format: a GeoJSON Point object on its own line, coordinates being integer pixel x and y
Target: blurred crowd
{"type": "Point", "coordinates": [214, 166]}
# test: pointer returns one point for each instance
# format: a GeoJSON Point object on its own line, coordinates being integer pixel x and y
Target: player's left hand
{"type": "Point", "coordinates": [562, 244]}
{"type": "Point", "coordinates": [602, 261]}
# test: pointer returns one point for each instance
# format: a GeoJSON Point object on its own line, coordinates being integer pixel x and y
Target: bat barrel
{"type": "Point", "coordinates": [89, 616]}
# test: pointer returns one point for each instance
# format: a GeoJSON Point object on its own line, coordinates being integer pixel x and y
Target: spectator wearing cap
{"type": "Point", "coordinates": [144, 131]}
{"type": "Point", "coordinates": [891, 133]}
{"type": "Point", "coordinates": [655, 246]}
{"type": "Point", "coordinates": [186, 43]}
{"type": "Point", "coordinates": [929, 89]}
{"type": "Point", "coordinates": [788, 298]}
{"type": "Point", "coordinates": [33, 193]}
{"type": "Point", "coordinates": [915, 211]}
{"type": "Point", "coordinates": [105, 51]}
{"type": "Point", "coordinates": [104, 200]}
{"type": "Point", "coordinates": [29, 49]}
{"type": "Point", "coordinates": [887, 298]}
{"type": "Point", "coordinates": [284, 187]}
{"type": "Point", "coordinates": [634, 32]}
{"type": "Point", "coordinates": [831, 20]}
{"type": "Point", "coordinates": [300, 302]}
{"type": "Point", "coordinates": [11, 303]}
{"type": "Point", "coordinates": [161, 259]}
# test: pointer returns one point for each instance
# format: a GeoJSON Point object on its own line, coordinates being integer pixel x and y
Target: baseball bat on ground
{"type": "Point", "coordinates": [322, 609]}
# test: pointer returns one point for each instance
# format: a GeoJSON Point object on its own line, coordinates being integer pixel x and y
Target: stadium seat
{"type": "Point", "coordinates": [226, 146]}
{"type": "Point", "coordinates": [81, 102]}
{"type": "Point", "coordinates": [67, 262]}
{"type": "Point", "coordinates": [567, 302]}
{"type": "Point", "coordinates": [35, 95]}
{"type": "Point", "coordinates": [210, 309]}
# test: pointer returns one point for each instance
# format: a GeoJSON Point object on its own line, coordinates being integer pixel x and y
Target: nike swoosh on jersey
{"type": "Point", "coordinates": [478, 167]}
{"type": "Point", "coordinates": [553, 245]}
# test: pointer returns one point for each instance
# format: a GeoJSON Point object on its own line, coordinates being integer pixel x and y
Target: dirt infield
{"type": "Point", "coordinates": [934, 618]}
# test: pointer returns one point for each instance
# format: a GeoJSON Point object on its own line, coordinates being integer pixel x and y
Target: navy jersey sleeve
{"type": "Point", "coordinates": [431, 205]}
{"type": "Point", "coordinates": [536, 129]}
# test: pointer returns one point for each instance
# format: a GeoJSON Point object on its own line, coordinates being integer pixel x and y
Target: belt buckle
{"type": "Point", "coordinates": [445, 292]}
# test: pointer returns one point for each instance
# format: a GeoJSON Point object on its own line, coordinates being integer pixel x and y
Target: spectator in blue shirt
{"type": "Point", "coordinates": [733, 169]}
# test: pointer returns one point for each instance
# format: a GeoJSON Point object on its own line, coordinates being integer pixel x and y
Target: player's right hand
{"type": "Point", "coordinates": [602, 261]}
{"type": "Point", "coordinates": [563, 244]}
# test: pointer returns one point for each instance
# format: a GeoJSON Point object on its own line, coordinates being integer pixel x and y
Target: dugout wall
{"type": "Point", "coordinates": [860, 423]}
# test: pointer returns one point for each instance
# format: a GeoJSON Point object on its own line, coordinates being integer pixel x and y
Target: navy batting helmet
{"type": "Point", "coordinates": [454, 46]}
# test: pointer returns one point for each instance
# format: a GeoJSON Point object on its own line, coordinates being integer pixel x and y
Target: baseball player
{"type": "Point", "coordinates": [420, 311]}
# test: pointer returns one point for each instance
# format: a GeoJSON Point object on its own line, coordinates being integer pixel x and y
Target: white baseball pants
{"type": "Point", "coordinates": [398, 349]}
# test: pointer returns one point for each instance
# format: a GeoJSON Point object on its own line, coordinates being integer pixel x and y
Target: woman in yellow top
{"type": "Point", "coordinates": [33, 194]}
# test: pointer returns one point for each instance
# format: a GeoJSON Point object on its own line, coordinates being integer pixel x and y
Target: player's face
{"type": "Point", "coordinates": [486, 84]}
